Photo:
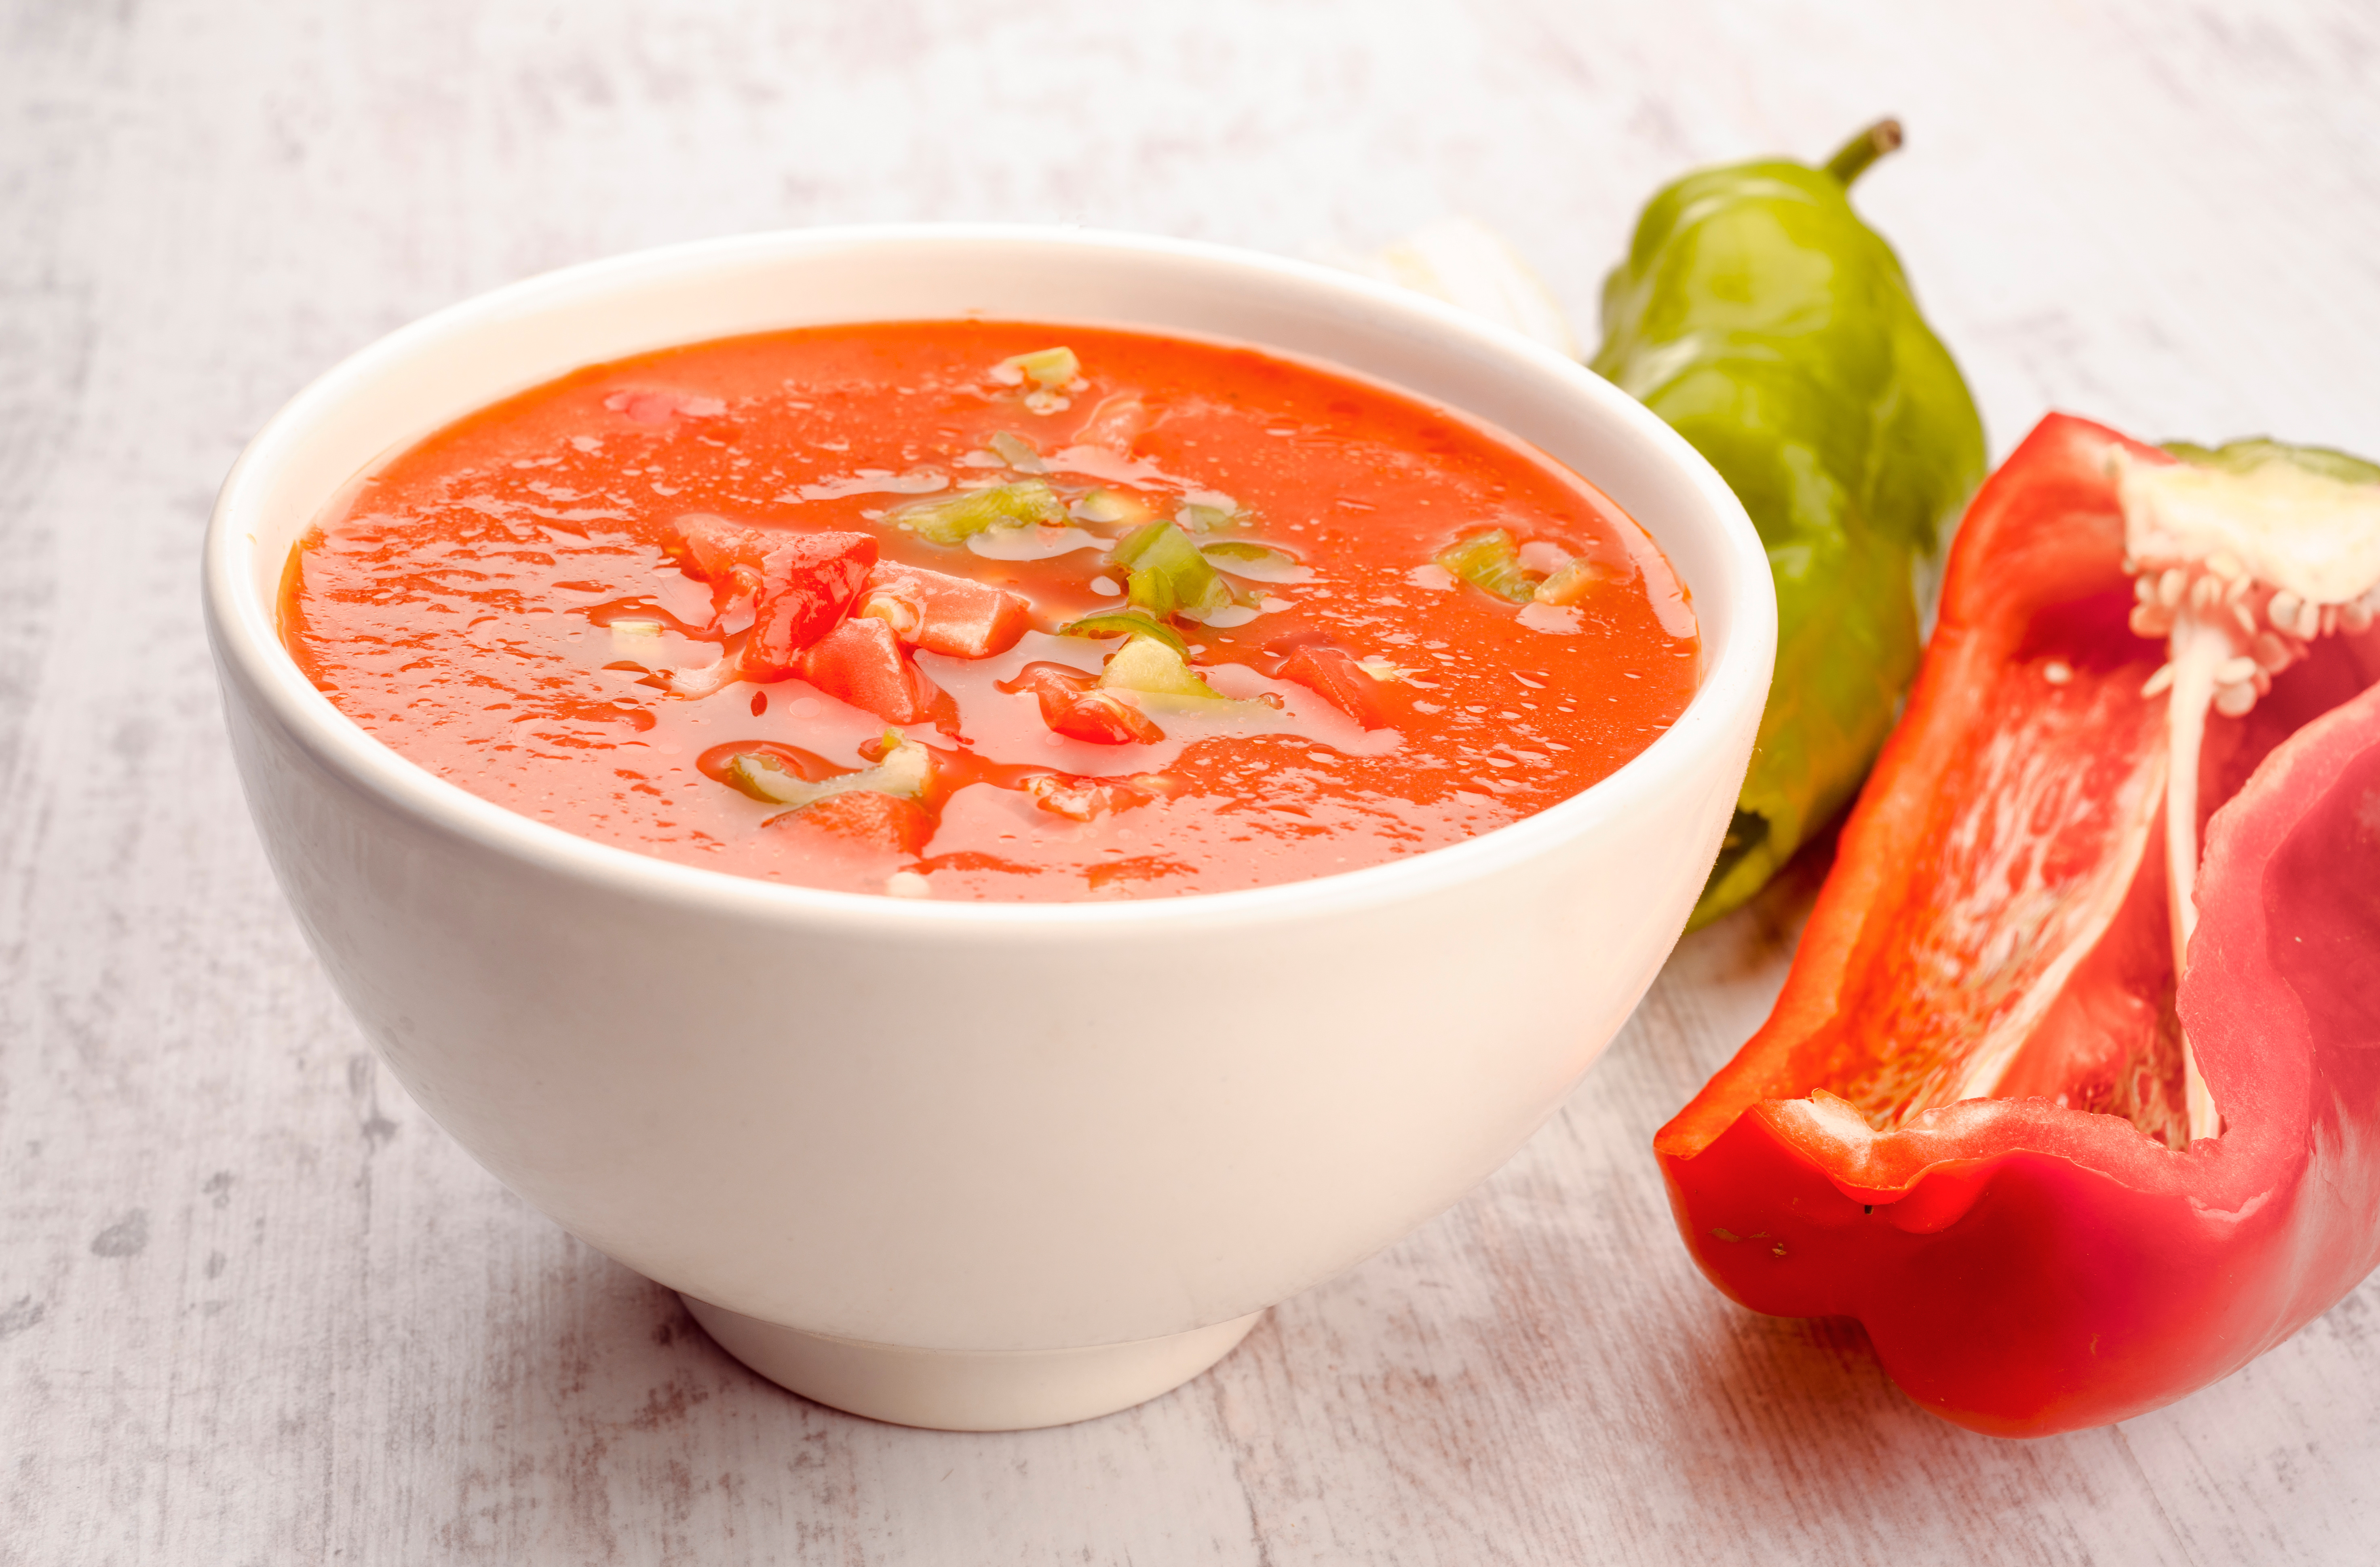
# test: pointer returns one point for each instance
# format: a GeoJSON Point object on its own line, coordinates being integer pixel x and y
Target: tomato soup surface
{"type": "Point", "coordinates": [987, 610]}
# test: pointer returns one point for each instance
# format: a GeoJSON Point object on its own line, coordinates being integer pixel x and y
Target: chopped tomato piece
{"type": "Point", "coordinates": [860, 662]}
{"type": "Point", "coordinates": [711, 547]}
{"type": "Point", "coordinates": [806, 584]}
{"type": "Point", "coordinates": [1334, 674]}
{"type": "Point", "coordinates": [727, 556]}
{"type": "Point", "coordinates": [943, 614]}
{"type": "Point", "coordinates": [792, 586]}
{"type": "Point", "coordinates": [867, 818]}
{"type": "Point", "coordinates": [1073, 705]}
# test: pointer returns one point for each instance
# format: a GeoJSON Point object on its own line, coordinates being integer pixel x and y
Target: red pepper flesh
{"type": "Point", "coordinates": [1073, 705]}
{"type": "Point", "coordinates": [1333, 674]}
{"type": "Point", "coordinates": [2046, 1257]}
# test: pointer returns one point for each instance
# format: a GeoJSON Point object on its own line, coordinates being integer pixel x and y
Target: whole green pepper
{"type": "Point", "coordinates": [1763, 322]}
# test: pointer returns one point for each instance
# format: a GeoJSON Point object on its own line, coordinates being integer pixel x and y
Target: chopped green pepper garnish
{"type": "Point", "coordinates": [1049, 368]}
{"type": "Point", "coordinates": [1169, 575]}
{"type": "Point", "coordinates": [1204, 519]}
{"type": "Point", "coordinates": [1153, 592]}
{"type": "Point", "coordinates": [1261, 563]}
{"type": "Point", "coordinates": [952, 519]}
{"type": "Point", "coordinates": [1573, 582]}
{"type": "Point", "coordinates": [1111, 505]}
{"type": "Point", "coordinates": [904, 771]}
{"type": "Point", "coordinates": [1018, 453]}
{"type": "Point", "coordinates": [1491, 563]}
{"type": "Point", "coordinates": [1125, 623]}
{"type": "Point", "coordinates": [1145, 663]}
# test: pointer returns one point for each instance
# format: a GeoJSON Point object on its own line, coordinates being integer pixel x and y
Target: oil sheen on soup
{"type": "Point", "coordinates": [989, 610]}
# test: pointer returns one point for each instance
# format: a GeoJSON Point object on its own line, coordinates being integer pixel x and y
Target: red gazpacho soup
{"type": "Point", "coordinates": [989, 610]}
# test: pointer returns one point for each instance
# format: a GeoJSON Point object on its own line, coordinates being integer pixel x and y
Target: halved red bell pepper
{"type": "Point", "coordinates": [1969, 1121]}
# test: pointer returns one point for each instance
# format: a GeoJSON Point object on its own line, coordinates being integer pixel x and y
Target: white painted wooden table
{"type": "Point", "coordinates": [254, 1308]}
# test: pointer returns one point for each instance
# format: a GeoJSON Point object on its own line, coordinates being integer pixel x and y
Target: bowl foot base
{"type": "Point", "coordinates": [967, 1390]}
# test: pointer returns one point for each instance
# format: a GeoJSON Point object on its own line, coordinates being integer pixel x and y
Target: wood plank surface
{"type": "Point", "coordinates": [255, 1309]}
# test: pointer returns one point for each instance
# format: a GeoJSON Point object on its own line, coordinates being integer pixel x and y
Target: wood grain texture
{"type": "Point", "coordinates": [254, 1308]}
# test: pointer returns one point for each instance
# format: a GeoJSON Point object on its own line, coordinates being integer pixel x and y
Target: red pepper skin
{"type": "Point", "coordinates": [1073, 705]}
{"type": "Point", "coordinates": [2021, 1267]}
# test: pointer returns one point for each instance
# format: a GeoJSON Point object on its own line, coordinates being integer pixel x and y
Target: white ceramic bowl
{"type": "Point", "coordinates": [978, 1166]}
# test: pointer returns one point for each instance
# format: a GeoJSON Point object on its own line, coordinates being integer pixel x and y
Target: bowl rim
{"type": "Point", "coordinates": [246, 643]}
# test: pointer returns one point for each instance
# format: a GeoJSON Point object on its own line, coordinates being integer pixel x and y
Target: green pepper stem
{"type": "Point", "coordinates": [1865, 148]}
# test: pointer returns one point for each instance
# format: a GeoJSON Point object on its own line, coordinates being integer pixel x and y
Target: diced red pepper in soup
{"type": "Point", "coordinates": [1073, 705]}
{"type": "Point", "coordinates": [1341, 681]}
